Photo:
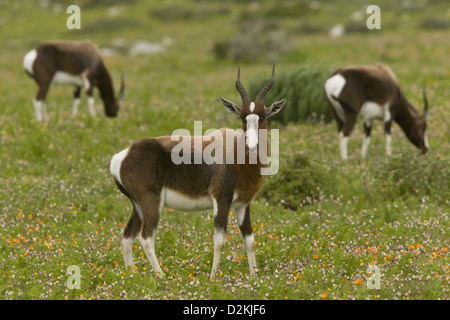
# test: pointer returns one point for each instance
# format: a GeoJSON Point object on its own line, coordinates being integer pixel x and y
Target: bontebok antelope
{"type": "Point", "coordinates": [146, 174]}
{"type": "Point", "coordinates": [71, 63]}
{"type": "Point", "coordinates": [372, 92]}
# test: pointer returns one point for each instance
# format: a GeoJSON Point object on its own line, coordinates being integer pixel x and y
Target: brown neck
{"type": "Point", "coordinates": [406, 118]}
{"type": "Point", "coordinates": [106, 90]}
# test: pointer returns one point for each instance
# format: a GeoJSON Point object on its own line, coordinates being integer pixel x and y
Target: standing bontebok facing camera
{"type": "Point", "coordinates": [146, 174]}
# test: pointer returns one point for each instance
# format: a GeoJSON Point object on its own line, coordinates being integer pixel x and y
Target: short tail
{"type": "Point", "coordinates": [30, 74]}
{"type": "Point", "coordinates": [344, 105]}
{"type": "Point", "coordinates": [121, 188]}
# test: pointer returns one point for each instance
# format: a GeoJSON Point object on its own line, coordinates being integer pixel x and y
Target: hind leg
{"type": "Point", "coordinates": [128, 235]}
{"type": "Point", "coordinates": [39, 103]}
{"type": "Point", "coordinates": [151, 209]}
{"type": "Point", "coordinates": [345, 133]}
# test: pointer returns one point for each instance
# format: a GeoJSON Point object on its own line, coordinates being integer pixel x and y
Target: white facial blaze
{"type": "Point", "coordinates": [252, 131]}
{"type": "Point", "coordinates": [252, 107]}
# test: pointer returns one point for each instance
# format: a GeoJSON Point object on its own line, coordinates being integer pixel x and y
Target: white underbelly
{"type": "Point", "coordinates": [175, 200]}
{"type": "Point", "coordinates": [63, 79]}
{"type": "Point", "coordinates": [372, 110]}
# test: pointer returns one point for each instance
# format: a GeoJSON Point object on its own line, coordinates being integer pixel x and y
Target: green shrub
{"type": "Point", "coordinates": [302, 86]}
{"type": "Point", "coordinates": [408, 174]}
{"type": "Point", "coordinates": [298, 181]}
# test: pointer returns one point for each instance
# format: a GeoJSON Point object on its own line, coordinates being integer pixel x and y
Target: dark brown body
{"type": "Point", "coordinates": [80, 60]}
{"type": "Point", "coordinates": [149, 175]}
{"type": "Point", "coordinates": [357, 91]}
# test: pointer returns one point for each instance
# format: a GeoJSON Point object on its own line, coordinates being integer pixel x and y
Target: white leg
{"type": "Point", "coordinates": [37, 110]}
{"type": "Point", "coordinates": [249, 243]}
{"type": "Point", "coordinates": [219, 243]}
{"type": "Point", "coordinates": [343, 145]}
{"type": "Point", "coordinates": [149, 247]}
{"type": "Point", "coordinates": [365, 146]}
{"type": "Point", "coordinates": [44, 112]}
{"type": "Point", "coordinates": [387, 138]}
{"type": "Point", "coordinates": [127, 249]}
{"type": "Point", "coordinates": [76, 103]}
{"type": "Point", "coordinates": [91, 105]}
{"type": "Point", "coordinates": [249, 239]}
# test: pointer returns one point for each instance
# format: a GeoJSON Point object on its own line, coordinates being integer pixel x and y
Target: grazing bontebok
{"type": "Point", "coordinates": [372, 92]}
{"type": "Point", "coordinates": [146, 173]}
{"type": "Point", "coordinates": [71, 63]}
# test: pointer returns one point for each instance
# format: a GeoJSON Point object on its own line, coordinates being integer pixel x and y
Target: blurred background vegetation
{"type": "Point", "coordinates": [307, 39]}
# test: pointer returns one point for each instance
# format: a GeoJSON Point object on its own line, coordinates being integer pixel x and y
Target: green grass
{"type": "Point", "coordinates": [59, 206]}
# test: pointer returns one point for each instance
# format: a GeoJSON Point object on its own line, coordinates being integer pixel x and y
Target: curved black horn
{"type": "Point", "coordinates": [266, 88]}
{"type": "Point", "coordinates": [425, 102]}
{"type": "Point", "coordinates": [122, 88]}
{"type": "Point", "coordinates": [240, 87]}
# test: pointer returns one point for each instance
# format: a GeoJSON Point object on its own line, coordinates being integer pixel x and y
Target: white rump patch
{"type": "Point", "coordinates": [116, 163]}
{"type": "Point", "coordinates": [333, 87]}
{"type": "Point", "coordinates": [28, 61]}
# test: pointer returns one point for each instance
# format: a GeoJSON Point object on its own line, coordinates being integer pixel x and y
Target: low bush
{"type": "Point", "coordinates": [410, 175]}
{"type": "Point", "coordinates": [298, 182]}
{"type": "Point", "coordinates": [302, 86]}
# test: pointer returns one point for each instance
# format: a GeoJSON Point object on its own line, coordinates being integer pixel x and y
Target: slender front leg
{"type": "Point", "coordinates": [245, 225]}
{"type": "Point", "coordinates": [387, 136]}
{"type": "Point", "coordinates": [148, 244]}
{"type": "Point", "coordinates": [343, 145]}
{"type": "Point", "coordinates": [221, 211]}
{"type": "Point", "coordinates": [91, 102]}
{"type": "Point", "coordinates": [366, 141]}
{"type": "Point", "coordinates": [76, 100]}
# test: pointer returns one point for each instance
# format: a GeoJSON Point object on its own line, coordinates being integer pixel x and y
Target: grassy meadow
{"type": "Point", "coordinates": [321, 224]}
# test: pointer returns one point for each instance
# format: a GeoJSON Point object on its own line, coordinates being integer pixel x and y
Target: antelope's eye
{"type": "Point", "coordinates": [262, 117]}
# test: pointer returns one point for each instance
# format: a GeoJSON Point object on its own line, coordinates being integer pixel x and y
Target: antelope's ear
{"type": "Point", "coordinates": [275, 107]}
{"type": "Point", "coordinates": [230, 106]}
